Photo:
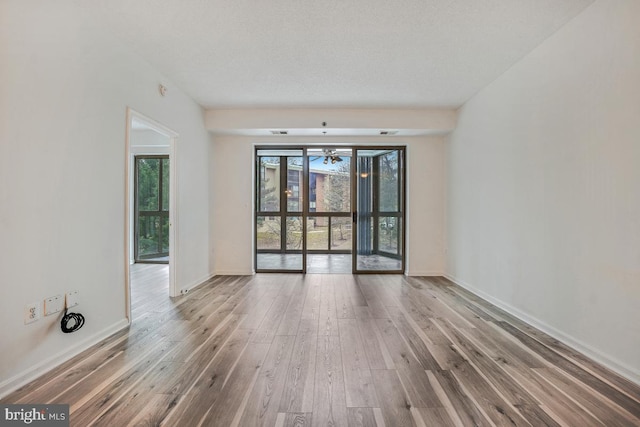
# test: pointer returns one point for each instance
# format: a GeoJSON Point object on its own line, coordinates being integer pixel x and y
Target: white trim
{"type": "Point", "coordinates": [197, 283]}
{"type": "Point", "coordinates": [151, 150]}
{"type": "Point", "coordinates": [22, 378]}
{"type": "Point", "coordinates": [173, 205]}
{"type": "Point", "coordinates": [173, 216]}
{"type": "Point", "coordinates": [620, 368]}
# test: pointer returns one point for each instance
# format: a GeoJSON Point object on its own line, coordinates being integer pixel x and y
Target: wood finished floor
{"type": "Point", "coordinates": [319, 350]}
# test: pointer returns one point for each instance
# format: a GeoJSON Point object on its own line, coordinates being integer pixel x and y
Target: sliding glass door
{"type": "Point", "coordinates": [279, 225]}
{"type": "Point", "coordinates": [338, 209]}
{"type": "Point", "coordinates": [379, 210]}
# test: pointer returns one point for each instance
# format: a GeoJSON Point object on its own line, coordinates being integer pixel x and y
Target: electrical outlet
{"type": "Point", "coordinates": [53, 305]}
{"type": "Point", "coordinates": [73, 298]}
{"type": "Point", "coordinates": [31, 312]}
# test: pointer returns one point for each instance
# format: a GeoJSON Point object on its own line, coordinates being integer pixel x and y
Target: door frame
{"type": "Point", "coordinates": [402, 149]}
{"type": "Point", "coordinates": [173, 137]}
{"type": "Point", "coordinates": [282, 213]}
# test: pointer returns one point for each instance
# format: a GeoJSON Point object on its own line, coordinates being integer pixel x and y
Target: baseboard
{"type": "Point", "coordinates": [48, 364]}
{"type": "Point", "coordinates": [616, 366]}
{"type": "Point", "coordinates": [424, 273]}
{"type": "Point", "coordinates": [197, 283]}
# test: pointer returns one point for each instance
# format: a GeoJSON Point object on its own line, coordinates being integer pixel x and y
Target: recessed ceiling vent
{"type": "Point", "coordinates": [388, 132]}
{"type": "Point", "coordinates": [280, 132]}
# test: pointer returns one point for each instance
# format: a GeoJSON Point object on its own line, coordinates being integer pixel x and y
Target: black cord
{"type": "Point", "coordinates": [77, 320]}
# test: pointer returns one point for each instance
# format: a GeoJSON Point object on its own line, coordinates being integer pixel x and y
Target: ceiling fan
{"type": "Point", "coordinates": [331, 155]}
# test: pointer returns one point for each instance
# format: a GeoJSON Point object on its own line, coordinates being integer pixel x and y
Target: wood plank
{"type": "Point", "coordinates": [207, 388]}
{"type": "Point", "coordinates": [157, 407]}
{"type": "Point", "coordinates": [396, 408]}
{"type": "Point", "coordinates": [509, 389]}
{"type": "Point", "coordinates": [536, 416]}
{"type": "Point", "coordinates": [355, 294]}
{"type": "Point", "coordinates": [603, 409]}
{"type": "Point", "coordinates": [359, 387]}
{"type": "Point", "coordinates": [622, 399]}
{"type": "Point", "coordinates": [344, 307]}
{"type": "Point", "coordinates": [191, 369]}
{"type": "Point", "coordinates": [74, 368]}
{"type": "Point", "coordinates": [414, 337]}
{"type": "Point", "coordinates": [421, 314]}
{"type": "Point", "coordinates": [134, 402]}
{"type": "Point", "coordinates": [271, 322]}
{"type": "Point", "coordinates": [361, 417]}
{"type": "Point", "coordinates": [311, 307]}
{"type": "Point", "coordinates": [436, 417]}
{"type": "Point", "coordinates": [465, 408]}
{"type": "Point", "coordinates": [291, 318]}
{"type": "Point", "coordinates": [299, 386]}
{"type": "Point", "coordinates": [329, 402]}
{"type": "Point", "coordinates": [447, 356]}
{"type": "Point", "coordinates": [499, 411]}
{"type": "Point", "coordinates": [328, 316]}
{"type": "Point", "coordinates": [67, 378]}
{"type": "Point", "coordinates": [88, 399]}
{"type": "Point", "coordinates": [264, 400]}
{"type": "Point", "coordinates": [374, 347]}
{"type": "Point", "coordinates": [448, 306]}
{"type": "Point", "coordinates": [237, 384]}
{"type": "Point", "coordinates": [550, 397]}
{"type": "Point", "coordinates": [622, 384]}
{"type": "Point", "coordinates": [259, 309]}
{"type": "Point", "coordinates": [501, 346]}
{"type": "Point", "coordinates": [410, 371]}
{"type": "Point", "coordinates": [376, 307]}
{"type": "Point", "coordinates": [297, 419]}
{"type": "Point", "coordinates": [384, 291]}
{"type": "Point", "coordinates": [437, 309]}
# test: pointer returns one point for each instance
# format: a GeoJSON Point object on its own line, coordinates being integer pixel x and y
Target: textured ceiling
{"type": "Point", "coordinates": [333, 53]}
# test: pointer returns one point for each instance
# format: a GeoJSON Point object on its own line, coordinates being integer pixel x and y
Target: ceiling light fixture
{"type": "Point", "coordinates": [331, 154]}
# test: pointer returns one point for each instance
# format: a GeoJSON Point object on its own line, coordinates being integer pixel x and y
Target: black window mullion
{"type": "Point", "coordinates": [305, 206]}
{"type": "Point", "coordinates": [284, 170]}
{"type": "Point", "coordinates": [375, 202]}
{"type": "Point", "coordinates": [329, 234]}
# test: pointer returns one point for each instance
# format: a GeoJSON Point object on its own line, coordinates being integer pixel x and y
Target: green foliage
{"type": "Point", "coordinates": [337, 188]}
{"type": "Point", "coordinates": [389, 182]}
{"type": "Point", "coordinates": [153, 230]}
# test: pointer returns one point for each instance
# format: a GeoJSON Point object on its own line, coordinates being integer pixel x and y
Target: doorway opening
{"type": "Point", "coordinates": [150, 230]}
{"type": "Point", "coordinates": [329, 209]}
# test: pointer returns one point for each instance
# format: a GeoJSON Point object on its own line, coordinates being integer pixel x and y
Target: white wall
{"type": "Point", "coordinates": [544, 187]}
{"type": "Point", "coordinates": [232, 199]}
{"type": "Point", "coordinates": [64, 90]}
